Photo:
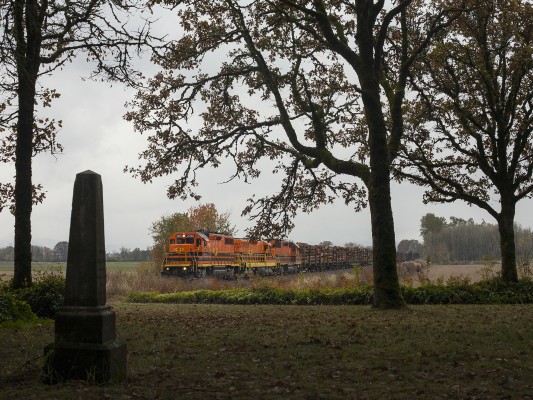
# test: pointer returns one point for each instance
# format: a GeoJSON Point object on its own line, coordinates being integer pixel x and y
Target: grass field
{"type": "Point", "coordinates": [6, 267]}
{"type": "Point", "coordinates": [296, 352]}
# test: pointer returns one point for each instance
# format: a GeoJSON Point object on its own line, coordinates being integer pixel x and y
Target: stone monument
{"type": "Point", "coordinates": [85, 346]}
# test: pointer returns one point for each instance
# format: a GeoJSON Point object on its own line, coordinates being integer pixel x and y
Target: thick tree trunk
{"type": "Point", "coordinates": [507, 241]}
{"type": "Point", "coordinates": [27, 32]}
{"type": "Point", "coordinates": [387, 292]}
{"type": "Point", "coordinates": [23, 186]}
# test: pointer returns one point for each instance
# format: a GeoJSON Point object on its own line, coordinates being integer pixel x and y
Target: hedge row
{"type": "Point", "coordinates": [493, 292]}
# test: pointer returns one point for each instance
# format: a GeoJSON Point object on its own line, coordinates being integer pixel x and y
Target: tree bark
{"type": "Point", "coordinates": [387, 292]}
{"type": "Point", "coordinates": [28, 44]}
{"type": "Point", "coordinates": [507, 239]}
{"type": "Point", "coordinates": [23, 187]}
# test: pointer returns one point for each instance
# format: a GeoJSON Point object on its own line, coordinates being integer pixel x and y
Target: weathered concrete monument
{"type": "Point", "coordinates": [85, 344]}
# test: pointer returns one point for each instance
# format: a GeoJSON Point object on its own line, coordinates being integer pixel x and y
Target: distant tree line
{"type": "Point", "coordinates": [460, 240]}
{"type": "Point", "coordinates": [130, 255]}
{"type": "Point", "coordinates": [60, 252]}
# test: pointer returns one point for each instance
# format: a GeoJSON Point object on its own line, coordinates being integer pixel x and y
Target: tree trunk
{"type": "Point", "coordinates": [27, 30]}
{"type": "Point", "coordinates": [23, 185]}
{"type": "Point", "coordinates": [507, 240]}
{"type": "Point", "coordinates": [387, 292]}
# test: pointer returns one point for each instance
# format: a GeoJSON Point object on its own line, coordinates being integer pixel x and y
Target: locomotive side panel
{"type": "Point", "coordinates": [288, 256]}
{"type": "Point", "coordinates": [221, 251]}
{"type": "Point", "coordinates": [254, 255]}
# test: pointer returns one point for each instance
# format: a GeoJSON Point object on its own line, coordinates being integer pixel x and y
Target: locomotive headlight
{"type": "Point", "coordinates": [185, 268]}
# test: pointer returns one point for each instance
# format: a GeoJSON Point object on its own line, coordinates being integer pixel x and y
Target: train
{"type": "Point", "coordinates": [198, 254]}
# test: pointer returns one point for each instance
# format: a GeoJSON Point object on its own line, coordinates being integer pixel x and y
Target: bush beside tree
{"type": "Point", "coordinates": [42, 298]}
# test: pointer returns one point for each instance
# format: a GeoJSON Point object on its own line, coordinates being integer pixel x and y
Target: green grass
{"type": "Point", "coordinates": [297, 352]}
{"type": "Point", "coordinates": [125, 266]}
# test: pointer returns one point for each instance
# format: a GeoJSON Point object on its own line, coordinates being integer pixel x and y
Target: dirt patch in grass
{"type": "Point", "coordinates": [297, 352]}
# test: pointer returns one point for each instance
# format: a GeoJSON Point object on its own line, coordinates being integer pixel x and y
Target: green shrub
{"type": "Point", "coordinates": [360, 295]}
{"type": "Point", "coordinates": [493, 291]}
{"type": "Point", "coordinates": [142, 297]}
{"type": "Point", "coordinates": [45, 295]}
{"type": "Point", "coordinates": [13, 310]}
{"type": "Point", "coordinates": [487, 292]}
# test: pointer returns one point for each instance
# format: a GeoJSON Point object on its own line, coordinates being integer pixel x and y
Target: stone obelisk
{"type": "Point", "coordinates": [85, 346]}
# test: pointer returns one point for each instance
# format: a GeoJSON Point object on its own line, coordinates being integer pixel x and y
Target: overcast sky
{"type": "Point", "coordinates": [95, 137]}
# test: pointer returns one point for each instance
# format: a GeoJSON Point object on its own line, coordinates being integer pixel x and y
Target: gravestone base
{"type": "Point", "coordinates": [78, 324]}
{"type": "Point", "coordinates": [89, 362]}
{"type": "Point", "coordinates": [85, 347]}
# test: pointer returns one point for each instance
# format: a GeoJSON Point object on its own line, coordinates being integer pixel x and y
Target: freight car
{"type": "Point", "coordinates": [323, 258]}
{"type": "Point", "coordinates": [199, 254]}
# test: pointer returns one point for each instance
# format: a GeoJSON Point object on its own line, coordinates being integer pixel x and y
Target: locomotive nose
{"type": "Point", "coordinates": [180, 248]}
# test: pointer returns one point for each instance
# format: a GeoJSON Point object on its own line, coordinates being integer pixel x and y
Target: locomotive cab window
{"type": "Point", "coordinates": [172, 241]}
{"type": "Point", "coordinates": [198, 242]}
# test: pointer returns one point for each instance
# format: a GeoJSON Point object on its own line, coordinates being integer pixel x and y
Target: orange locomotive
{"type": "Point", "coordinates": [198, 254]}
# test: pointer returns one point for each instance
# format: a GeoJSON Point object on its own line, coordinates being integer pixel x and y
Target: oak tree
{"type": "Point", "coordinates": [430, 224]}
{"type": "Point", "coordinates": [411, 246]}
{"type": "Point", "coordinates": [315, 86]}
{"type": "Point", "coordinates": [38, 37]}
{"type": "Point", "coordinates": [61, 251]}
{"type": "Point", "coordinates": [470, 130]}
{"type": "Point", "coordinates": [202, 217]}
{"type": "Point", "coordinates": [207, 218]}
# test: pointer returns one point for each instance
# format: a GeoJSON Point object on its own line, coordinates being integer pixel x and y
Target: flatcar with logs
{"type": "Point", "coordinates": [200, 254]}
